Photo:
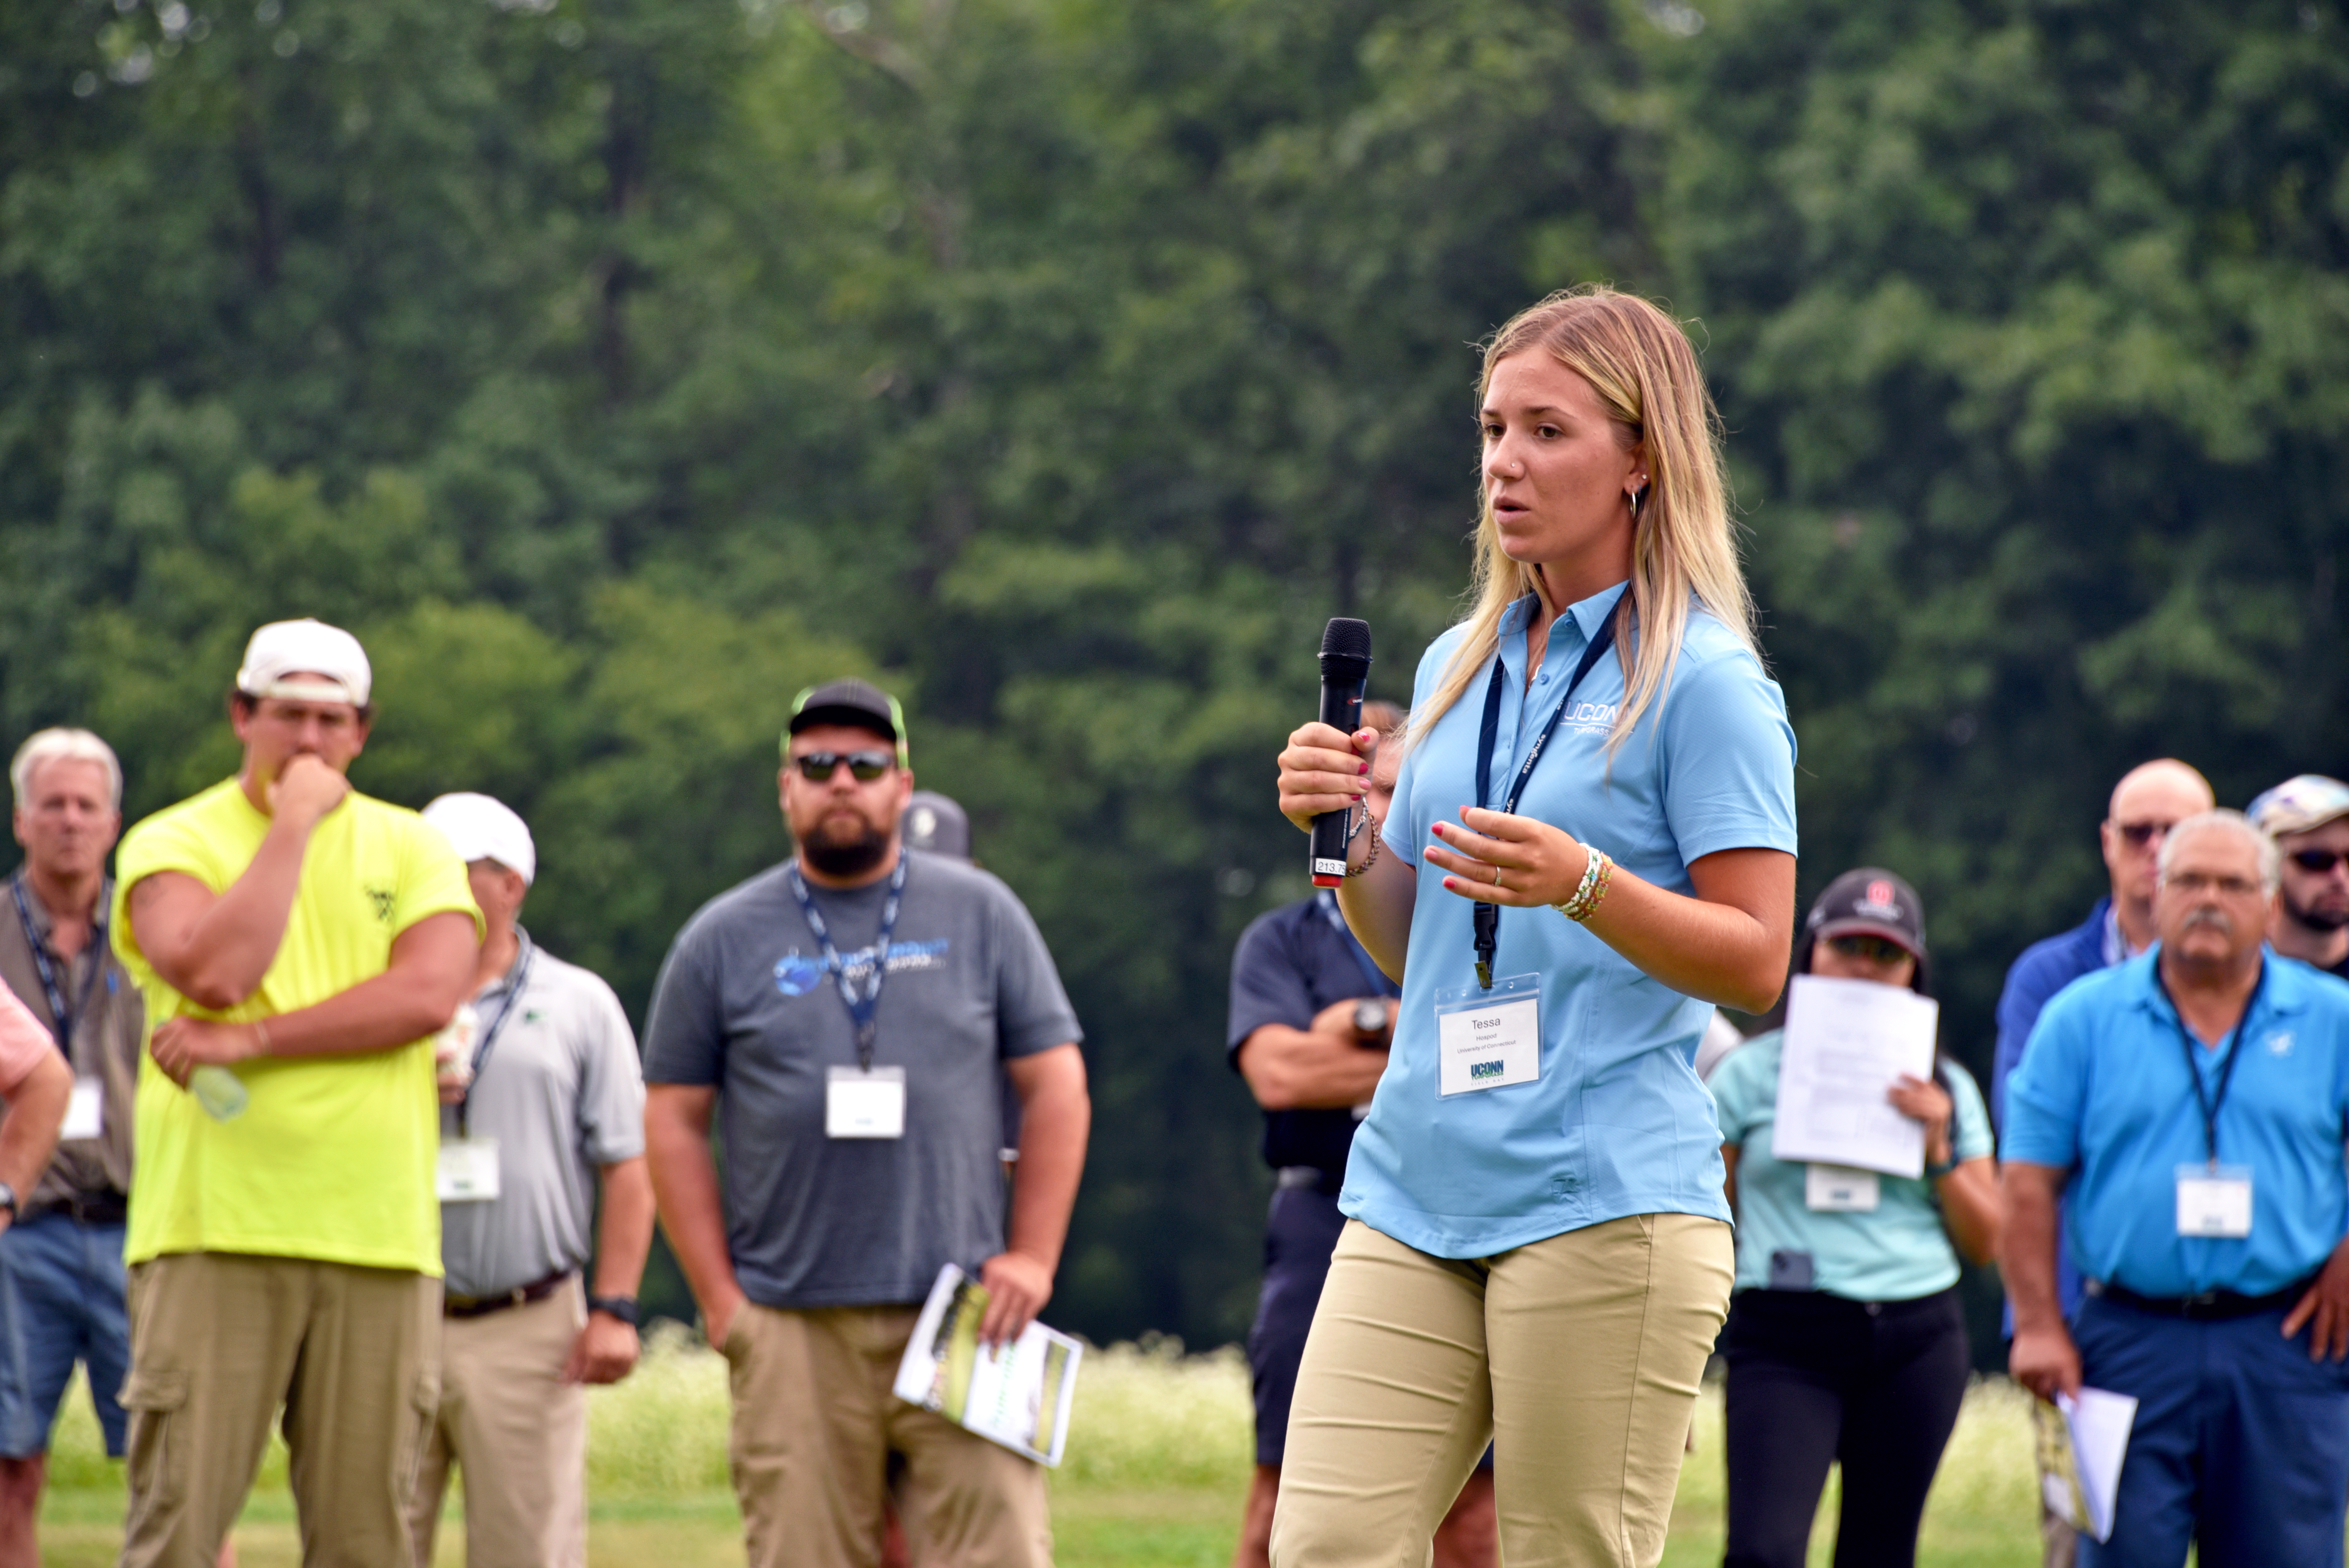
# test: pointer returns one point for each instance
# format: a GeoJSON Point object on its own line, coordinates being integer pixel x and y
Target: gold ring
{"type": "Point", "coordinates": [1497, 876]}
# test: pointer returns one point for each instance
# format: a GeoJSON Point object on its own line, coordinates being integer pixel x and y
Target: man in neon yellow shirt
{"type": "Point", "coordinates": [284, 1233]}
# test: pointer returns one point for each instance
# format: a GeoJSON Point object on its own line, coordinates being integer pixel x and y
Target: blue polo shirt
{"type": "Point", "coordinates": [2103, 1092]}
{"type": "Point", "coordinates": [1618, 1123]}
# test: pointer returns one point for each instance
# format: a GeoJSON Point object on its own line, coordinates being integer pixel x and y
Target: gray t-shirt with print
{"type": "Point", "coordinates": [746, 1005]}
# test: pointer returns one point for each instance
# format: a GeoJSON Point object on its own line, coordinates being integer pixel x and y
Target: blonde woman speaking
{"type": "Point", "coordinates": [1592, 842]}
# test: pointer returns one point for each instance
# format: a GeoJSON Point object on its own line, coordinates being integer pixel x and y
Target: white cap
{"type": "Point", "coordinates": [284, 648]}
{"type": "Point", "coordinates": [481, 828]}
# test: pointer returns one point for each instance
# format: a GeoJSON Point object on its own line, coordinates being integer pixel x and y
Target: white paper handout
{"type": "Point", "coordinates": [1017, 1395]}
{"type": "Point", "coordinates": [1847, 1041]}
{"type": "Point", "coordinates": [2082, 1443]}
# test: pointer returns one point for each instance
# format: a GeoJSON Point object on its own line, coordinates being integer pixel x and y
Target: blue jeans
{"type": "Point", "coordinates": [61, 1301]}
{"type": "Point", "coordinates": [2241, 1445]}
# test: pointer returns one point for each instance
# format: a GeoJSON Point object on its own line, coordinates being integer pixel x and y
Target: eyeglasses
{"type": "Point", "coordinates": [2318, 861]}
{"type": "Point", "coordinates": [1876, 950]}
{"type": "Point", "coordinates": [818, 767]}
{"type": "Point", "coordinates": [2140, 834]}
{"type": "Point", "coordinates": [2194, 884]}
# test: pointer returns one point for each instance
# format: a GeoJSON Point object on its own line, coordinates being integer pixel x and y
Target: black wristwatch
{"type": "Point", "coordinates": [623, 1307]}
{"type": "Point", "coordinates": [1373, 1016]}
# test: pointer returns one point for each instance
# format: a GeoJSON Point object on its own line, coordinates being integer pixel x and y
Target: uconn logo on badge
{"type": "Point", "coordinates": [1484, 1069]}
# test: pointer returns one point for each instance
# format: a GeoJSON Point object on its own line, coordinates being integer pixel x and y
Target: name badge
{"type": "Point", "coordinates": [467, 1170]}
{"type": "Point", "coordinates": [1840, 1190]}
{"type": "Point", "coordinates": [2214, 1200]}
{"type": "Point", "coordinates": [1488, 1039]}
{"type": "Point", "coordinates": [85, 1112]}
{"type": "Point", "coordinates": [860, 1104]}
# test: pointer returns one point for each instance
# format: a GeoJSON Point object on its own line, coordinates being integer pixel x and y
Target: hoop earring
{"type": "Point", "coordinates": [1633, 497]}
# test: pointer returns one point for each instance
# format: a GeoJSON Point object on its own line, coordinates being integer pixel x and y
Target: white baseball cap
{"type": "Point", "coordinates": [481, 828]}
{"type": "Point", "coordinates": [285, 648]}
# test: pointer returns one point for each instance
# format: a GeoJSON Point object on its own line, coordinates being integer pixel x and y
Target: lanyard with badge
{"type": "Point", "coordinates": [1488, 1034]}
{"type": "Point", "coordinates": [467, 1170]}
{"type": "Point", "coordinates": [861, 1101]}
{"type": "Point", "coordinates": [85, 1111]}
{"type": "Point", "coordinates": [2214, 1200]}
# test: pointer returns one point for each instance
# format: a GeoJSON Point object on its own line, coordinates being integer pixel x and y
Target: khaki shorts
{"type": "Point", "coordinates": [517, 1432]}
{"type": "Point", "coordinates": [1576, 1356]}
{"type": "Point", "coordinates": [218, 1341]}
{"type": "Point", "coordinates": [814, 1425]}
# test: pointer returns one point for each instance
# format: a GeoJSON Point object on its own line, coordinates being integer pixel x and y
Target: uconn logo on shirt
{"type": "Point", "coordinates": [797, 972]}
{"type": "Point", "coordinates": [1590, 717]}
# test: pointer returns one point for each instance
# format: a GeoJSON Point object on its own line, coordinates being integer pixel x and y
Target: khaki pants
{"type": "Point", "coordinates": [1577, 1357]}
{"type": "Point", "coordinates": [218, 1341]}
{"type": "Point", "coordinates": [814, 1425]}
{"type": "Point", "coordinates": [517, 1430]}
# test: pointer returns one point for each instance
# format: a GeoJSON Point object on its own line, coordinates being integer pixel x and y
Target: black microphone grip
{"type": "Point", "coordinates": [1345, 666]}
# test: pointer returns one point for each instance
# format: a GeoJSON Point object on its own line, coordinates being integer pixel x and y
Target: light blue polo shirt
{"type": "Point", "coordinates": [1897, 1251]}
{"type": "Point", "coordinates": [1618, 1123]}
{"type": "Point", "coordinates": [2102, 1092]}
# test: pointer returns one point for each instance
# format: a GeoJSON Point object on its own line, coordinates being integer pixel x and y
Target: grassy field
{"type": "Point", "coordinates": [1158, 1460]}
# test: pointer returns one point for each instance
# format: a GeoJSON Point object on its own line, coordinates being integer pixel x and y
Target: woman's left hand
{"type": "Point", "coordinates": [1923, 1100]}
{"type": "Point", "coordinates": [1501, 859]}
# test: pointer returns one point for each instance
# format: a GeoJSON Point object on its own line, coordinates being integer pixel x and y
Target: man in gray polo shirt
{"type": "Point", "coordinates": [541, 1096]}
{"type": "Point", "coordinates": [859, 1136]}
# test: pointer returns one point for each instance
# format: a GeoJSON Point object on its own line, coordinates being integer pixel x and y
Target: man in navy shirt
{"type": "Point", "coordinates": [2187, 1108]}
{"type": "Point", "coordinates": [1311, 1019]}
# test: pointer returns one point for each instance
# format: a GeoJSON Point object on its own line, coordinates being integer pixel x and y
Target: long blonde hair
{"type": "Point", "coordinates": [1641, 364]}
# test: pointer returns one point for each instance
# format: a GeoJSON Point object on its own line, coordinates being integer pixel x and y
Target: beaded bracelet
{"type": "Point", "coordinates": [1596, 873]}
{"type": "Point", "coordinates": [1372, 858]}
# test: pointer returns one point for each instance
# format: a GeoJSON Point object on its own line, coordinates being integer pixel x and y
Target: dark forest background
{"type": "Point", "coordinates": [615, 368]}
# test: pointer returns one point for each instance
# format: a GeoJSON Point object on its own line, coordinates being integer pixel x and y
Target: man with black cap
{"type": "Point", "coordinates": [2307, 818]}
{"type": "Point", "coordinates": [851, 1011]}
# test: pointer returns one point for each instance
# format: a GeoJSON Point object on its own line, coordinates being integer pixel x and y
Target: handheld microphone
{"type": "Point", "coordinates": [1345, 666]}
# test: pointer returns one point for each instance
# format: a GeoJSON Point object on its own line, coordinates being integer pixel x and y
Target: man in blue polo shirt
{"type": "Point", "coordinates": [1311, 1019]}
{"type": "Point", "coordinates": [2189, 1109]}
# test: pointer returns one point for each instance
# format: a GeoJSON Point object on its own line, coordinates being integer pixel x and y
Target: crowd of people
{"type": "Point", "coordinates": [302, 1127]}
{"type": "Point", "coordinates": [387, 1174]}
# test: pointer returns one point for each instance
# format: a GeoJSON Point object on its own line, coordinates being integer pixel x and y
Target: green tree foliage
{"type": "Point", "coordinates": [615, 368]}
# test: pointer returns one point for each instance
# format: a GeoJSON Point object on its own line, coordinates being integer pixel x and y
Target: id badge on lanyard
{"type": "Point", "coordinates": [1489, 1038]}
{"type": "Point", "coordinates": [1840, 1190]}
{"type": "Point", "coordinates": [466, 1171]}
{"type": "Point", "coordinates": [865, 1100]}
{"type": "Point", "coordinates": [2214, 1200]}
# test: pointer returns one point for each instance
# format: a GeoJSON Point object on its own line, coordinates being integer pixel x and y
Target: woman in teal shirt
{"type": "Point", "coordinates": [1846, 1340]}
{"type": "Point", "coordinates": [1591, 842]}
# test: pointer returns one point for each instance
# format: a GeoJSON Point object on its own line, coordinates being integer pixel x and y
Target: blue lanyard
{"type": "Point", "coordinates": [1488, 915]}
{"type": "Point", "coordinates": [2204, 1098]}
{"type": "Point", "coordinates": [861, 1009]}
{"type": "Point", "coordinates": [1328, 902]}
{"type": "Point", "coordinates": [521, 977]}
{"type": "Point", "coordinates": [60, 1013]}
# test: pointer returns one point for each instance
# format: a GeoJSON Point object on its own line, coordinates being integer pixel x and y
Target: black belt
{"type": "Point", "coordinates": [521, 1296]}
{"type": "Point", "coordinates": [83, 1208]}
{"type": "Point", "coordinates": [2211, 1307]}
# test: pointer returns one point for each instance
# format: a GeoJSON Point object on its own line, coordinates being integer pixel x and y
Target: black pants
{"type": "Point", "coordinates": [1815, 1378]}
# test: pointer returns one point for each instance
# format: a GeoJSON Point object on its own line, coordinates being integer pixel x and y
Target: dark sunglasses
{"type": "Point", "coordinates": [1870, 949]}
{"type": "Point", "coordinates": [2140, 834]}
{"type": "Point", "coordinates": [2317, 860]}
{"type": "Point", "coordinates": [818, 767]}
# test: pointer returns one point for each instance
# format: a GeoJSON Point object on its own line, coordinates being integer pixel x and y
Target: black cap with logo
{"type": "Point", "coordinates": [851, 702]}
{"type": "Point", "coordinates": [1871, 902]}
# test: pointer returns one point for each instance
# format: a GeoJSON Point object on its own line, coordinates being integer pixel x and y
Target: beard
{"type": "Point", "coordinates": [841, 848]}
{"type": "Point", "coordinates": [2316, 917]}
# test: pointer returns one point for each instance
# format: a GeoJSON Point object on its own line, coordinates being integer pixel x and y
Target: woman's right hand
{"type": "Point", "coordinates": [1323, 768]}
